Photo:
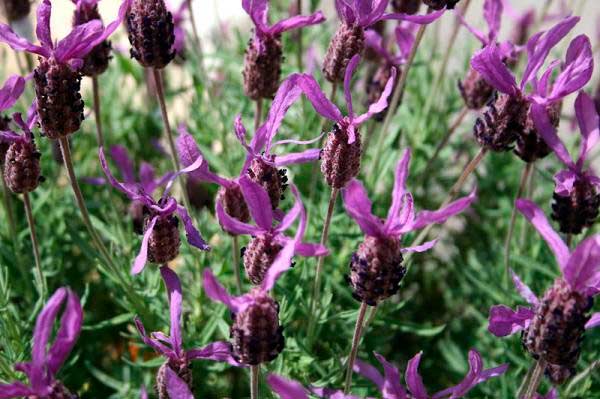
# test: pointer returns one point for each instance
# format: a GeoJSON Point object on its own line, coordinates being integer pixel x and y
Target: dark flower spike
{"type": "Point", "coordinates": [262, 62]}
{"type": "Point", "coordinates": [269, 247]}
{"type": "Point", "coordinates": [576, 200]}
{"type": "Point", "coordinates": [161, 217]}
{"type": "Point", "coordinates": [175, 375]}
{"type": "Point", "coordinates": [46, 362]}
{"type": "Point", "coordinates": [554, 325]}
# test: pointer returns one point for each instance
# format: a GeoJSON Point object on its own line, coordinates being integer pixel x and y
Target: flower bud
{"type": "Point", "coordinates": [273, 180]}
{"type": "Point", "coordinates": [410, 7]}
{"type": "Point", "coordinates": [475, 91]}
{"type": "Point", "coordinates": [234, 203]}
{"type": "Point", "coordinates": [15, 10]}
{"type": "Point", "coordinates": [163, 245]}
{"type": "Point", "coordinates": [259, 256]}
{"type": "Point", "coordinates": [22, 167]}
{"type": "Point", "coordinates": [578, 210]}
{"type": "Point", "coordinates": [262, 66]}
{"type": "Point", "coordinates": [349, 40]}
{"type": "Point", "coordinates": [183, 371]}
{"type": "Point", "coordinates": [439, 4]}
{"type": "Point", "coordinates": [340, 161]}
{"type": "Point", "coordinates": [96, 61]}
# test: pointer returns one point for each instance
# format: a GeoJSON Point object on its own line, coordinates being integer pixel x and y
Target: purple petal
{"type": "Point", "coordinates": [192, 234]}
{"type": "Point", "coordinates": [290, 217]}
{"type": "Point", "coordinates": [476, 32]}
{"type": "Point", "coordinates": [281, 264]}
{"type": "Point", "coordinates": [391, 387]}
{"type": "Point", "coordinates": [537, 218]}
{"type": "Point", "coordinates": [425, 218]}
{"type": "Point", "coordinates": [215, 291]}
{"type": "Point", "coordinates": [492, 12]}
{"type": "Point", "coordinates": [345, 11]}
{"type": "Point", "coordinates": [286, 389]}
{"type": "Point", "coordinates": [296, 158]}
{"type": "Point", "coordinates": [399, 188]}
{"type": "Point", "coordinates": [414, 382]}
{"type": "Point", "coordinates": [374, 41]}
{"type": "Point", "coordinates": [257, 9]}
{"type": "Point", "coordinates": [405, 38]}
{"type": "Point", "coordinates": [577, 70]}
{"type": "Point", "coordinates": [593, 322]}
{"type": "Point", "coordinates": [470, 380]}
{"type": "Point", "coordinates": [119, 155]}
{"type": "Point", "coordinates": [154, 343]}
{"type": "Point", "coordinates": [147, 177]}
{"type": "Point", "coordinates": [488, 62]}
{"type": "Point", "coordinates": [218, 351]}
{"type": "Point", "coordinates": [143, 393]}
{"type": "Point", "coordinates": [352, 65]}
{"type": "Point", "coordinates": [492, 372]}
{"type": "Point", "coordinates": [540, 117]}
{"type": "Point", "coordinates": [358, 206]}
{"type": "Point", "coordinates": [583, 268]}
{"type": "Point", "coordinates": [381, 103]}
{"type": "Point", "coordinates": [317, 98]}
{"type": "Point", "coordinates": [15, 390]}
{"type": "Point", "coordinates": [11, 91]}
{"type": "Point", "coordinates": [298, 21]}
{"type": "Point", "coordinates": [142, 256]}
{"type": "Point", "coordinates": [232, 225]}
{"type": "Point", "coordinates": [42, 30]}
{"type": "Point", "coordinates": [405, 217]}
{"type": "Point", "coordinates": [589, 125]}
{"type": "Point", "coordinates": [565, 182]}
{"type": "Point", "coordinates": [113, 182]}
{"type": "Point", "coordinates": [175, 299]}
{"type": "Point", "coordinates": [176, 387]}
{"type": "Point", "coordinates": [416, 19]}
{"type": "Point", "coordinates": [309, 249]}
{"type": "Point", "coordinates": [504, 321]}
{"type": "Point", "coordinates": [66, 337]}
{"type": "Point", "coordinates": [114, 24]}
{"type": "Point", "coordinates": [240, 133]}
{"type": "Point", "coordinates": [79, 41]}
{"type": "Point", "coordinates": [18, 43]}
{"type": "Point", "coordinates": [258, 202]}
{"type": "Point", "coordinates": [524, 290]}
{"type": "Point", "coordinates": [420, 248]}
{"type": "Point", "coordinates": [368, 371]}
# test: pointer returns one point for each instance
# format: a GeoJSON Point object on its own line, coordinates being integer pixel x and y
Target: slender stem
{"type": "Point", "coordinates": [34, 244]}
{"type": "Point", "coordinates": [525, 382]}
{"type": "Point", "coordinates": [317, 284]}
{"type": "Point", "coordinates": [513, 218]}
{"type": "Point", "coordinates": [536, 379]}
{"type": "Point", "coordinates": [258, 114]}
{"type": "Point", "coordinates": [236, 263]}
{"type": "Point", "coordinates": [254, 374]}
{"type": "Point", "coordinates": [355, 342]}
{"type": "Point", "coordinates": [569, 239]}
{"type": "Point", "coordinates": [528, 194]}
{"type": "Point", "coordinates": [193, 21]}
{"type": "Point", "coordinates": [97, 115]}
{"type": "Point", "coordinates": [299, 33]}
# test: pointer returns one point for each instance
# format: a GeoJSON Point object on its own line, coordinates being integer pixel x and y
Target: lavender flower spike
{"type": "Point", "coordinates": [341, 155]}
{"type": "Point", "coordinates": [576, 199]}
{"type": "Point", "coordinates": [554, 325]}
{"type": "Point", "coordinates": [376, 268]}
{"type": "Point", "coordinates": [160, 243]}
{"type": "Point", "coordinates": [262, 62]}
{"type": "Point", "coordinates": [9, 94]}
{"type": "Point", "coordinates": [269, 247]}
{"type": "Point", "coordinates": [46, 362]}
{"type": "Point", "coordinates": [174, 377]}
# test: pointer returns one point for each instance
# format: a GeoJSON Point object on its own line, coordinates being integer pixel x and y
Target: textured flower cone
{"type": "Point", "coordinates": [340, 161]}
{"type": "Point", "coordinates": [577, 211]}
{"type": "Point", "coordinates": [182, 370]}
{"type": "Point", "coordinates": [502, 122]}
{"type": "Point", "coordinates": [60, 106]}
{"type": "Point", "coordinates": [259, 256]}
{"type": "Point", "coordinates": [199, 195]}
{"type": "Point", "coordinates": [151, 33]}
{"type": "Point", "coordinates": [58, 391]}
{"type": "Point", "coordinates": [556, 331]}
{"type": "Point", "coordinates": [262, 67]}
{"type": "Point", "coordinates": [137, 212]}
{"type": "Point", "coordinates": [22, 167]}
{"type": "Point", "coordinates": [439, 4]}
{"type": "Point", "coordinates": [376, 85]}
{"type": "Point", "coordinates": [96, 61]}
{"type": "Point", "coordinates": [273, 180]}
{"type": "Point", "coordinates": [376, 270]}
{"type": "Point", "coordinates": [256, 334]}
{"type": "Point", "coordinates": [406, 6]}
{"type": "Point", "coordinates": [234, 203]}
{"type": "Point", "coordinates": [475, 91]}
{"type": "Point", "coordinates": [164, 242]}
{"type": "Point", "coordinates": [4, 124]}
{"type": "Point", "coordinates": [15, 10]}
{"type": "Point", "coordinates": [348, 41]}
{"type": "Point", "coordinates": [530, 145]}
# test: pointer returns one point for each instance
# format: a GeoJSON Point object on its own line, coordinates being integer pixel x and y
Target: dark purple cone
{"type": "Point", "coordinates": [410, 7]}
{"type": "Point", "coordinates": [340, 161]}
{"type": "Point", "coordinates": [22, 167]}
{"type": "Point", "coordinates": [502, 122]}
{"type": "Point", "coordinates": [4, 125]}
{"type": "Point", "coordinates": [577, 211]}
{"type": "Point", "coordinates": [256, 335]}
{"type": "Point", "coordinates": [199, 194]}
{"type": "Point", "coordinates": [183, 371]}
{"type": "Point", "coordinates": [475, 91]}
{"type": "Point", "coordinates": [558, 375]}
{"type": "Point", "coordinates": [96, 61]}
{"type": "Point", "coordinates": [60, 106]}
{"type": "Point", "coordinates": [348, 41]}
{"type": "Point", "coordinates": [58, 391]}
{"type": "Point", "coordinates": [15, 10]}
{"type": "Point", "coordinates": [439, 4]}
{"type": "Point", "coordinates": [262, 67]}
{"type": "Point", "coordinates": [150, 27]}
{"type": "Point", "coordinates": [375, 86]}
{"type": "Point", "coordinates": [556, 331]}
{"type": "Point", "coordinates": [234, 203]}
{"type": "Point", "coordinates": [164, 242]}
{"type": "Point", "coordinates": [259, 256]}
{"type": "Point", "coordinates": [273, 180]}
{"type": "Point", "coordinates": [376, 270]}
{"type": "Point", "coordinates": [530, 145]}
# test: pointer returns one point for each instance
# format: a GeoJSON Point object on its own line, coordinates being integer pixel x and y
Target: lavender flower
{"type": "Point", "coordinates": [341, 155]}
{"type": "Point", "coordinates": [96, 61]}
{"type": "Point", "coordinates": [45, 363]}
{"type": "Point", "coordinates": [268, 243]}
{"type": "Point", "coordinates": [9, 94]}
{"type": "Point", "coordinates": [262, 62]}
{"type": "Point", "coordinates": [554, 325]}
{"type": "Point", "coordinates": [160, 243]}
{"type": "Point", "coordinates": [174, 378]}
{"type": "Point", "coordinates": [576, 199]}
{"type": "Point", "coordinates": [56, 78]}
{"type": "Point", "coordinates": [508, 119]}
{"type": "Point", "coordinates": [376, 268]}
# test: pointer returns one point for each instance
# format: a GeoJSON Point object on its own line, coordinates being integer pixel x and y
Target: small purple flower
{"type": "Point", "coordinates": [46, 362]}
{"type": "Point", "coordinates": [175, 376]}
{"type": "Point", "coordinates": [178, 30]}
{"type": "Point", "coordinates": [161, 217]}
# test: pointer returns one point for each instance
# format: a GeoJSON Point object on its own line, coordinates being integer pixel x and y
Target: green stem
{"type": "Point", "coordinates": [258, 114]}
{"type": "Point", "coordinates": [35, 246]}
{"type": "Point", "coordinates": [254, 376]}
{"type": "Point", "coordinates": [358, 328]}
{"type": "Point", "coordinates": [536, 379]}
{"type": "Point", "coordinates": [97, 115]}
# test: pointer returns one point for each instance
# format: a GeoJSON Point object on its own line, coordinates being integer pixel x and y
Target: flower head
{"type": "Point", "coordinates": [160, 214]}
{"type": "Point", "coordinates": [46, 362]}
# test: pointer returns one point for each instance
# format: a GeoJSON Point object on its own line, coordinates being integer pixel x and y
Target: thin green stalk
{"type": "Point", "coordinates": [97, 115]}
{"type": "Point", "coordinates": [536, 379]}
{"type": "Point", "coordinates": [236, 263]}
{"type": "Point", "coordinates": [258, 114]}
{"type": "Point", "coordinates": [34, 243]}
{"type": "Point", "coordinates": [254, 376]}
{"type": "Point", "coordinates": [358, 328]}
{"type": "Point", "coordinates": [525, 382]}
